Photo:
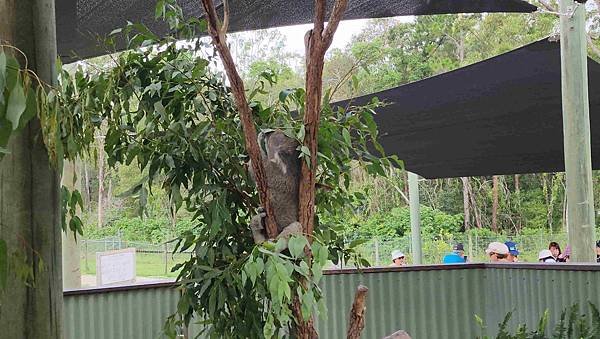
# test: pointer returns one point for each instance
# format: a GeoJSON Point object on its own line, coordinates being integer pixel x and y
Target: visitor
{"type": "Point", "coordinates": [457, 256]}
{"type": "Point", "coordinates": [513, 252]}
{"type": "Point", "coordinates": [546, 256]}
{"type": "Point", "coordinates": [398, 258]}
{"type": "Point", "coordinates": [567, 254]}
{"type": "Point", "coordinates": [598, 251]}
{"type": "Point", "coordinates": [498, 252]}
{"type": "Point", "coordinates": [557, 254]}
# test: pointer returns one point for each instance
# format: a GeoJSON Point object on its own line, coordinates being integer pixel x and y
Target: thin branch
{"type": "Point", "coordinates": [225, 26]}
{"type": "Point", "coordinates": [218, 36]}
{"type": "Point", "coordinates": [548, 6]}
{"type": "Point", "coordinates": [336, 16]}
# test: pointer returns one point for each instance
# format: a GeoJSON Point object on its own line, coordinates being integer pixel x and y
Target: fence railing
{"type": "Point", "coordinates": [378, 251]}
{"type": "Point", "coordinates": [151, 259]}
{"type": "Point", "coordinates": [158, 259]}
{"type": "Point", "coordinates": [429, 301]}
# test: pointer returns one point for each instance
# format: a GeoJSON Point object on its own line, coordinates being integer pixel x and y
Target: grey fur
{"type": "Point", "coordinates": [282, 169]}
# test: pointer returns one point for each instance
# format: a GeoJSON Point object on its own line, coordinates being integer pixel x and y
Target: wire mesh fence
{"type": "Point", "coordinates": [157, 260]}
{"type": "Point", "coordinates": [378, 251]}
{"type": "Point", "coordinates": [152, 260]}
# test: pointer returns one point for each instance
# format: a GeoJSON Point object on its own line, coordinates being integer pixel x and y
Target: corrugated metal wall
{"type": "Point", "coordinates": [530, 292]}
{"type": "Point", "coordinates": [428, 302]}
{"type": "Point", "coordinates": [132, 314]}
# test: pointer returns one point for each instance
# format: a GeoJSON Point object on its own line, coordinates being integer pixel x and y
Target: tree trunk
{"type": "Point", "coordinates": [478, 221]}
{"type": "Point", "coordinates": [495, 203]}
{"type": "Point", "coordinates": [108, 199]}
{"type": "Point", "coordinates": [100, 181]}
{"type": "Point", "coordinates": [466, 206]}
{"type": "Point", "coordinates": [29, 190]}
{"type": "Point", "coordinates": [405, 179]}
{"type": "Point", "coordinates": [85, 186]}
{"type": "Point", "coordinates": [518, 194]}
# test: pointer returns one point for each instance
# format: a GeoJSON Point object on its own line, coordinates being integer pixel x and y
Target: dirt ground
{"type": "Point", "coordinates": [88, 280]}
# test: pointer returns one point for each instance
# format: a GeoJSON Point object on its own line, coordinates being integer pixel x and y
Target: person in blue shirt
{"type": "Point", "coordinates": [513, 252]}
{"type": "Point", "coordinates": [457, 256]}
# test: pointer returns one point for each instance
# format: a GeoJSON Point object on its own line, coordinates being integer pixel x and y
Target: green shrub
{"type": "Point", "coordinates": [572, 324]}
{"type": "Point", "coordinates": [153, 230]}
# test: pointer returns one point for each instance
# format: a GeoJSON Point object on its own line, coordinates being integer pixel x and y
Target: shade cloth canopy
{"type": "Point", "coordinates": [499, 116]}
{"type": "Point", "coordinates": [80, 21]}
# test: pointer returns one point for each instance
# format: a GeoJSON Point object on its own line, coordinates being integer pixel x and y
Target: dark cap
{"type": "Point", "coordinates": [598, 243]}
{"type": "Point", "coordinates": [458, 247]}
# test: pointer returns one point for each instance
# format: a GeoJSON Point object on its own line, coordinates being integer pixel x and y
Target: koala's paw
{"type": "Point", "coordinates": [291, 229]}
{"type": "Point", "coordinates": [258, 228]}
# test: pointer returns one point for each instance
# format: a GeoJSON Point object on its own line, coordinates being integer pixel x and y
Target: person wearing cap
{"type": "Point", "coordinates": [398, 258]}
{"type": "Point", "coordinates": [546, 256]}
{"type": "Point", "coordinates": [497, 251]}
{"type": "Point", "coordinates": [457, 256]}
{"type": "Point", "coordinates": [598, 251]}
{"type": "Point", "coordinates": [513, 252]}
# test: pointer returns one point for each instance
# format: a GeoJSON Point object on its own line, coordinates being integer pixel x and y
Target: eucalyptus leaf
{"type": "Point", "coordinates": [296, 245]}
{"type": "Point", "coordinates": [16, 104]}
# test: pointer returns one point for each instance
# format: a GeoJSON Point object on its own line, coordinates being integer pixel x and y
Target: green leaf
{"type": "Point", "coordinates": [346, 136]}
{"type": "Point", "coordinates": [296, 246]}
{"type": "Point", "coordinates": [30, 109]}
{"type": "Point", "coordinates": [17, 102]}
{"type": "Point", "coordinates": [3, 264]}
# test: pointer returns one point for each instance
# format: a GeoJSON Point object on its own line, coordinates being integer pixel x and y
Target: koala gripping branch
{"type": "Point", "coordinates": [218, 32]}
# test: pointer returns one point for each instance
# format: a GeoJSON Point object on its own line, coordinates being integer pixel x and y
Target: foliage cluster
{"type": "Point", "coordinates": [168, 110]}
{"type": "Point", "coordinates": [572, 324]}
{"type": "Point", "coordinates": [151, 230]}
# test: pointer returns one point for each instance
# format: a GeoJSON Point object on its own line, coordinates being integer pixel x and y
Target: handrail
{"type": "Point", "coordinates": [369, 270]}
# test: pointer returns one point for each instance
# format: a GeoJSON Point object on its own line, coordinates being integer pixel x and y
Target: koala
{"type": "Point", "coordinates": [282, 169]}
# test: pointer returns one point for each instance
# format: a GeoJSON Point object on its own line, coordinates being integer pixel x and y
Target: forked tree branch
{"type": "Point", "coordinates": [218, 34]}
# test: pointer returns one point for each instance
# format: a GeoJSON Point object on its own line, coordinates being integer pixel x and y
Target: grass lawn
{"type": "Point", "coordinates": [146, 264]}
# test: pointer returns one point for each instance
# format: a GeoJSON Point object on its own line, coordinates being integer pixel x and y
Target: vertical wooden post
{"type": "Point", "coordinates": [576, 125]}
{"type": "Point", "coordinates": [29, 194]}
{"type": "Point", "coordinates": [415, 218]}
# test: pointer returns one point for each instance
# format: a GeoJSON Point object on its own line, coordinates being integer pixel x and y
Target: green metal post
{"type": "Point", "coordinates": [415, 218]}
{"type": "Point", "coordinates": [576, 125]}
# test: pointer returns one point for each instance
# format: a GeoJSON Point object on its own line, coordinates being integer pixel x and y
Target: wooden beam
{"type": "Point", "coordinates": [576, 125]}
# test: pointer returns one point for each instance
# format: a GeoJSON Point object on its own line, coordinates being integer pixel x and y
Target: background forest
{"type": "Point", "coordinates": [386, 54]}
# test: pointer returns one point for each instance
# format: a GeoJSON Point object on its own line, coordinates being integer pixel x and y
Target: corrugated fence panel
{"type": "Point", "coordinates": [530, 292]}
{"type": "Point", "coordinates": [425, 303]}
{"type": "Point", "coordinates": [134, 314]}
{"type": "Point", "coordinates": [428, 302]}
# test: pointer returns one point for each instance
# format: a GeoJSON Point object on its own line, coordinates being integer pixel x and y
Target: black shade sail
{"type": "Point", "coordinates": [499, 116]}
{"type": "Point", "coordinates": [80, 21]}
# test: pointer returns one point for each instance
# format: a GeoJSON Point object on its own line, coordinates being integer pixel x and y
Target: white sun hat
{"type": "Point", "coordinates": [497, 247]}
{"type": "Point", "coordinates": [397, 254]}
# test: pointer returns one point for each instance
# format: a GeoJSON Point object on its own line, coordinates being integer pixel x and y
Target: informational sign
{"type": "Point", "coordinates": [115, 267]}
